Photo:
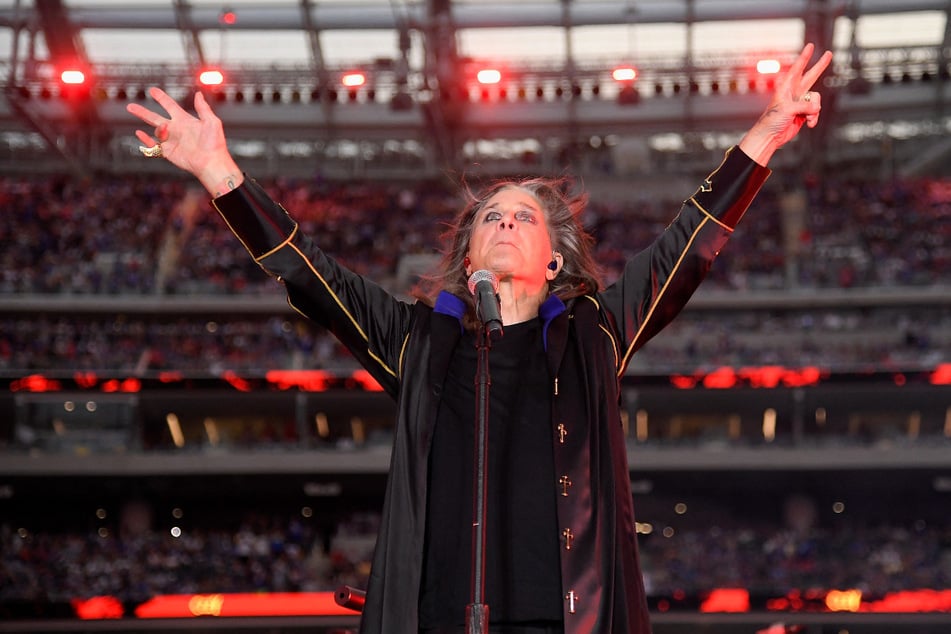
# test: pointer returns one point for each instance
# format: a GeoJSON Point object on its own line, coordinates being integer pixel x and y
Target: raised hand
{"type": "Point", "coordinates": [793, 104]}
{"type": "Point", "coordinates": [194, 144]}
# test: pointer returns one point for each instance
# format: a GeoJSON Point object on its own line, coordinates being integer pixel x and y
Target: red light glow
{"type": "Point", "coordinates": [98, 608]}
{"type": "Point", "coordinates": [366, 381]}
{"type": "Point", "coordinates": [353, 80]}
{"type": "Point", "coordinates": [211, 77]}
{"type": "Point", "coordinates": [720, 379]}
{"type": "Point", "coordinates": [73, 77]}
{"type": "Point", "coordinates": [727, 600]}
{"type": "Point", "coordinates": [489, 76]}
{"type": "Point", "coordinates": [307, 380]}
{"type": "Point", "coordinates": [235, 381]}
{"type": "Point", "coordinates": [324, 604]}
{"type": "Point", "coordinates": [758, 376]}
{"type": "Point", "coordinates": [130, 385]}
{"type": "Point", "coordinates": [941, 375]}
{"type": "Point", "coordinates": [85, 380]}
{"type": "Point", "coordinates": [683, 382]}
{"type": "Point", "coordinates": [924, 600]}
{"type": "Point", "coordinates": [767, 66]}
{"type": "Point", "coordinates": [228, 605]}
{"type": "Point", "coordinates": [625, 73]}
{"type": "Point", "coordinates": [35, 383]}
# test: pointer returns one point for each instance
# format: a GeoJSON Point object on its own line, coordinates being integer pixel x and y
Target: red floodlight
{"type": "Point", "coordinates": [488, 76]}
{"type": "Point", "coordinates": [353, 80]}
{"type": "Point", "coordinates": [211, 77]}
{"type": "Point", "coordinates": [73, 77]}
{"type": "Point", "coordinates": [627, 94]}
{"type": "Point", "coordinates": [624, 74]}
{"type": "Point", "coordinates": [767, 66]}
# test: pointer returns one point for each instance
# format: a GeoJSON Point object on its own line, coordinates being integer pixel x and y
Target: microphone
{"type": "Point", "coordinates": [484, 285]}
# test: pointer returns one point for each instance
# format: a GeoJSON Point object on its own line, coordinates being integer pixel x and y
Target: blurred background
{"type": "Point", "coordinates": [176, 442]}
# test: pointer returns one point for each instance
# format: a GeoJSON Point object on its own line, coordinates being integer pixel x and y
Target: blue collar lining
{"type": "Point", "coordinates": [449, 304]}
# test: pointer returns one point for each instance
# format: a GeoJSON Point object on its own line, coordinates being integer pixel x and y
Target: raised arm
{"type": "Point", "coordinates": [195, 144]}
{"type": "Point", "coordinates": [793, 104]}
{"type": "Point", "coordinates": [367, 319]}
{"type": "Point", "coordinates": [659, 281]}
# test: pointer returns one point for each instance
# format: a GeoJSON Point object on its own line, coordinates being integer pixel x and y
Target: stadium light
{"type": "Point", "coordinates": [767, 66]}
{"type": "Point", "coordinates": [75, 84]}
{"type": "Point", "coordinates": [228, 17]}
{"type": "Point", "coordinates": [211, 77]}
{"type": "Point", "coordinates": [73, 77]}
{"type": "Point", "coordinates": [488, 76]}
{"type": "Point", "coordinates": [353, 80]}
{"type": "Point", "coordinates": [626, 76]}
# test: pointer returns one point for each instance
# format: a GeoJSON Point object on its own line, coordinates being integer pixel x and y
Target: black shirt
{"type": "Point", "coordinates": [522, 572]}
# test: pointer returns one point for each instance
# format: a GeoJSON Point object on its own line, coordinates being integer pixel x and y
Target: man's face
{"type": "Point", "coordinates": [510, 237]}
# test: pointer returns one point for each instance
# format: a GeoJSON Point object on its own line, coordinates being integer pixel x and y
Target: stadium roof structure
{"type": "Point", "coordinates": [422, 109]}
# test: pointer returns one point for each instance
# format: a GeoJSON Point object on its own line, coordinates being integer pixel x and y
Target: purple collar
{"type": "Point", "coordinates": [449, 304]}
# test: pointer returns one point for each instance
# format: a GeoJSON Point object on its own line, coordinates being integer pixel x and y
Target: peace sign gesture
{"type": "Point", "coordinates": [793, 104]}
{"type": "Point", "coordinates": [195, 144]}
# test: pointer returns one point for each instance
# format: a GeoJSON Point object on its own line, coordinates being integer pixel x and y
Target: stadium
{"type": "Point", "coordinates": [180, 450]}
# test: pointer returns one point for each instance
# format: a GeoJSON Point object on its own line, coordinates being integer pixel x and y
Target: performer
{"type": "Point", "coordinates": [561, 544]}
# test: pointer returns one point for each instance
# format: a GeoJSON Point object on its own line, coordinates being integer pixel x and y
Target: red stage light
{"type": "Point", "coordinates": [487, 76]}
{"type": "Point", "coordinates": [306, 380]}
{"type": "Point", "coordinates": [73, 76]}
{"type": "Point", "coordinates": [211, 77]}
{"type": "Point", "coordinates": [768, 66]}
{"type": "Point", "coordinates": [727, 600]}
{"type": "Point", "coordinates": [353, 80]}
{"type": "Point", "coordinates": [624, 74]}
{"type": "Point", "coordinates": [242, 605]}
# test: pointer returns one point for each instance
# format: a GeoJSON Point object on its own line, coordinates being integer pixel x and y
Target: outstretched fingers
{"type": "Point", "coordinates": [153, 119]}
{"type": "Point", "coordinates": [202, 109]}
{"type": "Point", "coordinates": [795, 72]}
{"type": "Point", "coordinates": [156, 120]}
{"type": "Point", "coordinates": [168, 104]}
{"type": "Point", "coordinates": [799, 80]}
{"type": "Point", "coordinates": [812, 75]}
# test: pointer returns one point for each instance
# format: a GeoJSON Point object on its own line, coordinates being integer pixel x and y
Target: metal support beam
{"type": "Point", "coordinates": [468, 15]}
{"type": "Point", "coordinates": [317, 59]}
{"type": "Point", "coordinates": [62, 39]}
{"type": "Point", "coordinates": [445, 110]}
{"type": "Point", "coordinates": [819, 20]}
{"type": "Point", "coordinates": [61, 143]}
{"type": "Point", "coordinates": [193, 49]}
{"type": "Point", "coordinates": [65, 45]}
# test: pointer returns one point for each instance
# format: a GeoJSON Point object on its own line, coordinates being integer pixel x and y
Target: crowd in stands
{"type": "Point", "coordinates": [844, 340]}
{"type": "Point", "coordinates": [132, 236]}
{"type": "Point", "coordinates": [136, 345]}
{"type": "Point", "coordinates": [772, 560]}
{"type": "Point", "coordinates": [274, 553]}
{"type": "Point", "coordinates": [261, 553]}
{"type": "Point", "coordinates": [136, 235]}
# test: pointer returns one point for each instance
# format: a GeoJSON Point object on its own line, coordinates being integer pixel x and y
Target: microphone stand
{"type": "Point", "coordinates": [477, 612]}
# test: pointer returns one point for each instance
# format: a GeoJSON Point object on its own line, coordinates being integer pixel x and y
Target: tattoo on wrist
{"type": "Point", "coordinates": [226, 186]}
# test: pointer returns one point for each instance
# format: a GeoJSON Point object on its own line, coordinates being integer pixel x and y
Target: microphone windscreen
{"type": "Point", "coordinates": [483, 275]}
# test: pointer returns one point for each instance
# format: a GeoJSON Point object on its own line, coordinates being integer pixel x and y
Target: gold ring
{"type": "Point", "coordinates": [807, 96]}
{"type": "Point", "coordinates": [151, 152]}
